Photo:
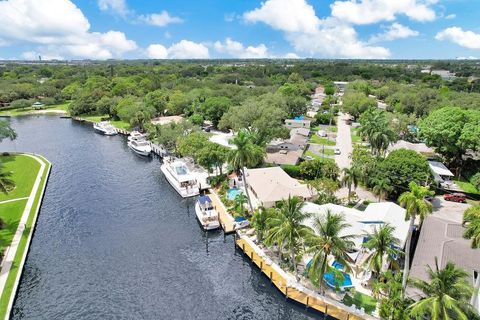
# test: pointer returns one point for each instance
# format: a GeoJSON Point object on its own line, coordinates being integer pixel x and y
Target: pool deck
{"type": "Point", "coordinates": [294, 290]}
{"type": "Point", "coordinates": [226, 219]}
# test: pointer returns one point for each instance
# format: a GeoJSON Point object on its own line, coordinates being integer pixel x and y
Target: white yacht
{"type": "Point", "coordinates": [141, 147]}
{"type": "Point", "coordinates": [138, 136]}
{"type": "Point", "coordinates": [105, 128]}
{"type": "Point", "coordinates": [177, 174]}
{"type": "Point", "coordinates": [206, 213]}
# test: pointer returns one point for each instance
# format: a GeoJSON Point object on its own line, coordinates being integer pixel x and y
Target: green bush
{"type": "Point", "coordinates": [475, 180]}
{"type": "Point", "coordinates": [292, 170]}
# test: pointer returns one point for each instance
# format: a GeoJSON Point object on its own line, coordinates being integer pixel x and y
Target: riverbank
{"type": "Point", "coordinates": [56, 109]}
{"type": "Point", "coordinates": [19, 211]}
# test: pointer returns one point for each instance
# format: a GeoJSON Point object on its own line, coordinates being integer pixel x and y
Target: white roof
{"type": "Point", "coordinates": [418, 147]}
{"type": "Point", "coordinates": [439, 168]}
{"type": "Point", "coordinates": [273, 184]}
{"type": "Point", "coordinates": [363, 222]}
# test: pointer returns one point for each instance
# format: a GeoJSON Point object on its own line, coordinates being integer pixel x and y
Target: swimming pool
{"type": "Point", "coordinates": [337, 265]}
{"type": "Point", "coordinates": [333, 283]}
{"type": "Point", "coordinates": [233, 193]}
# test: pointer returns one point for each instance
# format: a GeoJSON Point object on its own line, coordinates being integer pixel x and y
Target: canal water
{"type": "Point", "coordinates": [115, 241]}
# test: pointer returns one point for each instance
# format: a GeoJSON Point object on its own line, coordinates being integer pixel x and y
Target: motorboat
{"type": "Point", "coordinates": [105, 128]}
{"type": "Point", "coordinates": [137, 136]}
{"type": "Point", "coordinates": [141, 147]}
{"type": "Point", "coordinates": [178, 175]}
{"type": "Point", "coordinates": [206, 213]}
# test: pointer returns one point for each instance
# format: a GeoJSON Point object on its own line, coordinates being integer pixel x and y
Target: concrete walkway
{"type": "Point", "coordinates": [12, 249]}
{"type": "Point", "coordinates": [12, 200]}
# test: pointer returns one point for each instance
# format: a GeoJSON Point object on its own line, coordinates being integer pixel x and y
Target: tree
{"type": "Point", "coordinates": [327, 240]}
{"type": "Point", "coordinates": [260, 220]}
{"type": "Point", "coordinates": [6, 184]}
{"type": "Point", "coordinates": [212, 155]}
{"type": "Point", "coordinates": [6, 131]}
{"type": "Point", "coordinates": [383, 244]}
{"type": "Point", "coordinates": [451, 131]}
{"type": "Point", "coordinates": [401, 167]}
{"type": "Point", "coordinates": [214, 107]}
{"type": "Point", "coordinates": [319, 168]}
{"type": "Point", "coordinates": [157, 99]}
{"type": "Point", "coordinates": [177, 102]}
{"type": "Point", "coordinates": [351, 177]}
{"type": "Point", "coordinates": [392, 304]}
{"type": "Point", "coordinates": [471, 219]}
{"type": "Point", "coordinates": [381, 187]}
{"type": "Point", "coordinates": [376, 130]}
{"type": "Point", "coordinates": [246, 154]}
{"type": "Point", "coordinates": [416, 206]}
{"type": "Point", "coordinates": [286, 228]}
{"type": "Point", "coordinates": [446, 294]}
{"type": "Point", "coordinates": [355, 103]}
{"type": "Point", "coordinates": [191, 145]}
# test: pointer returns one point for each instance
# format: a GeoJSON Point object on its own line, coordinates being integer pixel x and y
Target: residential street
{"type": "Point", "coordinates": [344, 142]}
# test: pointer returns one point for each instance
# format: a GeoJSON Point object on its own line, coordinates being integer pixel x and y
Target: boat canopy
{"type": "Point", "coordinates": [204, 199]}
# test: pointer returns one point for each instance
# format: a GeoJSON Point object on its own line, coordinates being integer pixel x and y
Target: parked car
{"type": "Point", "coordinates": [308, 158]}
{"type": "Point", "coordinates": [456, 197]}
{"type": "Point", "coordinates": [337, 151]}
{"type": "Point", "coordinates": [321, 133]}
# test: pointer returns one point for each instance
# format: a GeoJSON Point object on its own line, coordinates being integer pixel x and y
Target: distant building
{"type": "Point", "coordinates": [444, 74]}
{"type": "Point", "coordinates": [340, 85]}
{"type": "Point", "coordinates": [269, 186]}
{"type": "Point", "coordinates": [297, 123]}
{"type": "Point", "coordinates": [298, 141]}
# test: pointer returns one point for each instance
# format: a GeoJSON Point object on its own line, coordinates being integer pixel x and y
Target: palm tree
{"type": "Point", "coordinates": [6, 184]}
{"type": "Point", "coordinates": [327, 240]}
{"type": "Point", "coordinates": [351, 176]}
{"type": "Point", "coordinates": [286, 228]}
{"type": "Point", "coordinates": [416, 206]}
{"type": "Point", "coordinates": [260, 221]}
{"type": "Point", "coordinates": [383, 243]}
{"type": "Point", "coordinates": [471, 219]}
{"type": "Point", "coordinates": [446, 295]}
{"type": "Point", "coordinates": [246, 154]}
{"type": "Point", "coordinates": [382, 187]}
{"type": "Point", "coordinates": [239, 205]}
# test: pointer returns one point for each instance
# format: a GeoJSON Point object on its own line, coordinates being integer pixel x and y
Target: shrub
{"type": "Point", "coordinates": [292, 170]}
{"type": "Point", "coordinates": [475, 180]}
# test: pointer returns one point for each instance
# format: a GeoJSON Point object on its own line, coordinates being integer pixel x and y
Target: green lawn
{"type": "Point", "coordinates": [328, 152]}
{"type": "Point", "coordinates": [360, 300]}
{"type": "Point", "coordinates": [22, 246]}
{"type": "Point", "coordinates": [26, 111]}
{"type": "Point", "coordinates": [332, 129]}
{"type": "Point", "coordinates": [466, 186]}
{"type": "Point", "coordinates": [321, 140]}
{"type": "Point", "coordinates": [10, 213]}
{"type": "Point", "coordinates": [24, 170]}
{"type": "Point", "coordinates": [120, 124]}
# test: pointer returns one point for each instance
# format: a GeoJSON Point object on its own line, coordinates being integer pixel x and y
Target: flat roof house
{"type": "Point", "coordinates": [440, 172]}
{"type": "Point", "coordinates": [268, 186]}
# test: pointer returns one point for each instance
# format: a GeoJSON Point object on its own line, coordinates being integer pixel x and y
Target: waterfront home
{"type": "Point", "coordinates": [268, 186]}
{"type": "Point", "coordinates": [297, 123]}
{"type": "Point", "coordinates": [363, 222]}
{"type": "Point", "coordinates": [443, 239]}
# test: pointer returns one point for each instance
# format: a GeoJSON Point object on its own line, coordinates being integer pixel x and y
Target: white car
{"type": "Point", "coordinates": [337, 151]}
{"type": "Point", "coordinates": [321, 133]}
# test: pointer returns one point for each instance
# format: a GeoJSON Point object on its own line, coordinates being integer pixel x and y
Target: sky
{"type": "Point", "coordinates": [189, 29]}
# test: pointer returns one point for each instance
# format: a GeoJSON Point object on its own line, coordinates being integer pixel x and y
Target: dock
{"type": "Point", "coordinates": [226, 220]}
{"type": "Point", "coordinates": [293, 290]}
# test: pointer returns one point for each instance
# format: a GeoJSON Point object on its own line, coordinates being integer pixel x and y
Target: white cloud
{"type": "Point", "coordinates": [236, 49]}
{"type": "Point", "coordinates": [186, 49]}
{"type": "Point", "coordinates": [157, 51]}
{"type": "Point", "coordinates": [464, 38]}
{"type": "Point", "coordinates": [393, 32]}
{"type": "Point", "coordinates": [467, 58]}
{"type": "Point", "coordinates": [329, 37]}
{"type": "Point", "coordinates": [450, 16]}
{"type": "Point", "coordinates": [32, 55]}
{"type": "Point", "coordinates": [59, 28]}
{"type": "Point", "coordinates": [116, 6]}
{"type": "Point", "coordinates": [373, 11]}
{"type": "Point", "coordinates": [285, 15]}
{"type": "Point", "coordinates": [292, 55]}
{"type": "Point", "coordinates": [159, 19]}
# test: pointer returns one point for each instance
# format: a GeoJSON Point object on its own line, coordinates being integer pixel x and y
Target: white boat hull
{"type": "Point", "coordinates": [210, 225]}
{"type": "Point", "coordinates": [184, 192]}
{"type": "Point", "coordinates": [143, 151]}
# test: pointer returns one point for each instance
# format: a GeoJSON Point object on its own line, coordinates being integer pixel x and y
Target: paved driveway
{"type": "Point", "coordinates": [448, 210]}
{"type": "Point", "coordinates": [344, 142]}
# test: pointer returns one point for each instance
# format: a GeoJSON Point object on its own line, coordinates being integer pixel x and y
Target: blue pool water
{"type": "Point", "coordinates": [233, 193]}
{"type": "Point", "coordinates": [337, 265]}
{"type": "Point", "coordinates": [333, 283]}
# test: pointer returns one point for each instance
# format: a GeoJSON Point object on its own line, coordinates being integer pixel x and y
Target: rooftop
{"type": "Point", "coordinates": [418, 147]}
{"type": "Point", "coordinates": [439, 168]}
{"type": "Point", "coordinates": [283, 157]}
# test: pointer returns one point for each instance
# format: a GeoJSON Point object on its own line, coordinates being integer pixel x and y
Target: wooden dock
{"type": "Point", "coordinates": [226, 220]}
{"type": "Point", "coordinates": [305, 296]}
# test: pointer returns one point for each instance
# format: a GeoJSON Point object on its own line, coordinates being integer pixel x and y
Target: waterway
{"type": "Point", "coordinates": [115, 241]}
